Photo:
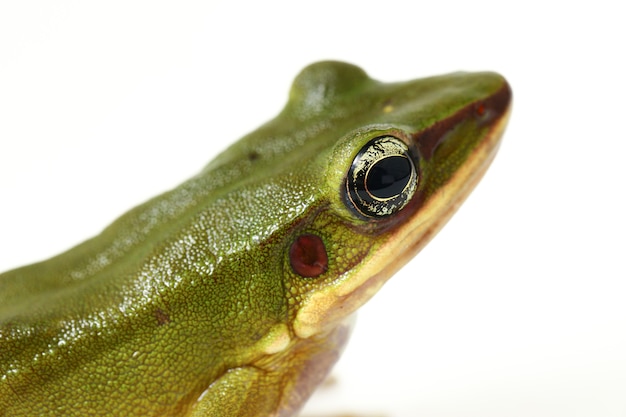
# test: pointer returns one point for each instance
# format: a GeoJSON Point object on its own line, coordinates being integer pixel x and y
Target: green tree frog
{"type": "Point", "coordinates": [232, 295]}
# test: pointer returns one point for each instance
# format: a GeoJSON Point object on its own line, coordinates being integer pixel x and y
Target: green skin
{"type": "Point", "coordinates": [188, 305]}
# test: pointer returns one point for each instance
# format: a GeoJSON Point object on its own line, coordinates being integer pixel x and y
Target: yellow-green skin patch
{"type": "Point", "coordinates": [187, 304]}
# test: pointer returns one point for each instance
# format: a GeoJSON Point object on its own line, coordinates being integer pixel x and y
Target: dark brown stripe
{"type": "Point", "coordinates": [486, 110]}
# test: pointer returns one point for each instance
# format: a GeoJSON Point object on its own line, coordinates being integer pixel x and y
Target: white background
{"type": "Point", "coordinates": [517, 308]}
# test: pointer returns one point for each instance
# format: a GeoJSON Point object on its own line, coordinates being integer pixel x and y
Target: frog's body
{"type": "Point", "coordinates": [231, 294]}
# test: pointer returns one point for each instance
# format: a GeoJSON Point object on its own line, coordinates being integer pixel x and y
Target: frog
{"type": "Point", "coordinates": [234, 294]}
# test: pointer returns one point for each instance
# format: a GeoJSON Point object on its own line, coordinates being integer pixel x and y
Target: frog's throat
{"type": "Point", "coordinates": [328, 308]}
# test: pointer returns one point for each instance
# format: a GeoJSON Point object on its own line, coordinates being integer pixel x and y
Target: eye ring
{"type": "Point", "coordinates": [382, 178]}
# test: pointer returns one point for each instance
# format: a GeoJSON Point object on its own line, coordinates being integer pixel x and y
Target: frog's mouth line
{"type": "Point", "coordinates": [327, 308]}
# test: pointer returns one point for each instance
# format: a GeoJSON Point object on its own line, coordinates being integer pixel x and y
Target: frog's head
{"type": "Point", "coordinates": [363, 174]}
{"type": "Point", "coordinates": [387, 164]}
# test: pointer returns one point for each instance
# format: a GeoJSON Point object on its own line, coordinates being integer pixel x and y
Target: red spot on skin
{"type": "Point", "coordinates": [308, 257]}
{"type": "Point", "coordinates": [480, 109]}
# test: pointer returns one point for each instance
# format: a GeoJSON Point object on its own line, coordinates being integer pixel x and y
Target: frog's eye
{"type": "Point", "coordinates": [382, 178]}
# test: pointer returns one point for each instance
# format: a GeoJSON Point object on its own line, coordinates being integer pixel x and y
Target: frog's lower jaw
{"type": "Point", "coordinates": [278, 384]}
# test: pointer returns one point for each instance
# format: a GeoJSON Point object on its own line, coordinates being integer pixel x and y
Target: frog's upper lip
{"type": "Point", "coordinates": [325, 309]}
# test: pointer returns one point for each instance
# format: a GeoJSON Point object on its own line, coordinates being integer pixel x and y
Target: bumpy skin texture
{"type": "Point", "coordinates": [187, 304]}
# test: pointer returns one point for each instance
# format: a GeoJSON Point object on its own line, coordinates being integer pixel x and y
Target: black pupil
{"type": "Point", "coordinates": [388, 177]}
